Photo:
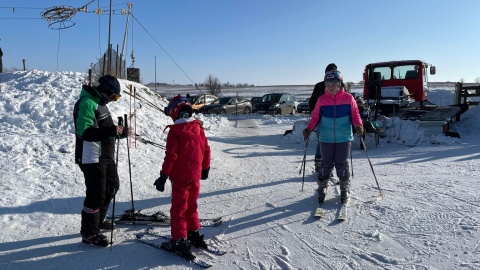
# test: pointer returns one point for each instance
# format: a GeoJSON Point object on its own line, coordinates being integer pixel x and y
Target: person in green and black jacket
{"type": "Point", "coordinates": [94, 153]}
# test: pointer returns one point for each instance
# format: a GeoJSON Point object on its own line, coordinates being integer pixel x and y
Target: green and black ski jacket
{"type": "Point", "coordinates": [94, 128]}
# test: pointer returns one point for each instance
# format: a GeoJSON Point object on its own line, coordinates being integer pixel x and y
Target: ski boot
{"type": "Point", "coordinates": [96, 240]}
{"type": "Point", "coordinates": [317, 163]}
{"type": "Point", "coordinates": [344, 189]}
{"type": "Point", "coordinates": [106, 225]}
{"type": "Point", "coordinates": [181, 247]}
{"type": "Point", "coordinates": [322, 188]}
{"type": "Point", "coordinates": [196, 239]}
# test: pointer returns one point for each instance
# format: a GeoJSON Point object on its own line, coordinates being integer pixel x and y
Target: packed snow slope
{"type": "Point", "coordinates": [428, 218]}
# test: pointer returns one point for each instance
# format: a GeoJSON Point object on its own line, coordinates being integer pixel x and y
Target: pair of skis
{"type": "Point", "coordinates": [342, 214]}
{"type": "Point", "coordinates": [150, 235]}
{"type": "Point", "coordinates": [157, 219]}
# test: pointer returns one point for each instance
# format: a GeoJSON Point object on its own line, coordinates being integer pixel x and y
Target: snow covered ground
{"type": "Point", "coordinates": [429, 217]}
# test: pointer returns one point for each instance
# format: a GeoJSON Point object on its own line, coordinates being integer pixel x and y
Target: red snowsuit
{"type": "Point", "coordinates": [187, 154]}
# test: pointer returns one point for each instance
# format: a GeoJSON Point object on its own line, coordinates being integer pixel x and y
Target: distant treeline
{"type": "Point", "coordinates": [354, 85]}
{"type": "Point", "coordinates": [224, 85]}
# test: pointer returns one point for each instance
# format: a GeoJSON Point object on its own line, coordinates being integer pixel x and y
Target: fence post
{"type": "Point", "coordinates": [89, 77]}
{"type": "Point", "coordinates": [458, 95]}
{"type": "Point", "coordinates": [116, 64]}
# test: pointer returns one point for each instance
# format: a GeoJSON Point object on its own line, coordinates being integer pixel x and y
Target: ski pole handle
{"type": "Point", "coordinates": [120, 121]}
{"type": "Point", "coordinates": [126, 120]}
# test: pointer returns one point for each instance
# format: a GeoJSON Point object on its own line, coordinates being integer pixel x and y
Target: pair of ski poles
{"type": "Point", "coordinates": [366, 152]}
{"type": "Point", "coordinates": [120, 123]}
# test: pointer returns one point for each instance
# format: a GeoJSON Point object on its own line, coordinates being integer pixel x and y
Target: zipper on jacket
{"type": "Point", "coordinates": [335, 118]}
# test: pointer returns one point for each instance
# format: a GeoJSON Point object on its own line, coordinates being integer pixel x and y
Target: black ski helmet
{"type": "Point", "coordinates": [109, 85]}
{"type": "Point", "coordinates": [330, 67]}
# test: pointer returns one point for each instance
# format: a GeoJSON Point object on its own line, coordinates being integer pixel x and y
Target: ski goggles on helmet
{"type": "Point", "coordinates": [174, 102]}
{"type": "Point", "coordinates": [114, 97]}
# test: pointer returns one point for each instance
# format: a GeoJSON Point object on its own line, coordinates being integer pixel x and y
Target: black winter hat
{"type": "Point", "coordinates": [331, 66]}
{"type": "Point", "coordinates": [109, 85]}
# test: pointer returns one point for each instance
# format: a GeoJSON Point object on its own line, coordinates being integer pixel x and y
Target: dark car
{"type": "Point", "coordinates": [276, 103]}
{"type": "Point", "coordinates": [254, 100]}
{"type": "Point", "coordinates": [303, 107]}
{"type": "Point", "coordinates": [225, 105]}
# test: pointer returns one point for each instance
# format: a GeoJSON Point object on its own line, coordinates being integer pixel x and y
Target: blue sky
{"type": "Point", "coordinates": [261, 42]}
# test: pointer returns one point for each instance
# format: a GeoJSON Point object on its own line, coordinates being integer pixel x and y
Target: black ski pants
{"type": "Point", "coordinates": [101, 182]}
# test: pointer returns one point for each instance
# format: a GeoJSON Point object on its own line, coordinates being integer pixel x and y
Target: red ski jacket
{"type": "Point", "coordinates": [187, 151]}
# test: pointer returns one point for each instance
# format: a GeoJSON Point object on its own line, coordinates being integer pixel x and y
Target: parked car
{"type": "Point", "coordinates": [276, 103]}
{"type": "Point", "coordinates": [200, 100]}
{"type": "Point", "coordinates": [303, 107]}
{"type": "Point", "coordinates": [254, 100]}
{"type": "Point", "coordinates": [225, 105]}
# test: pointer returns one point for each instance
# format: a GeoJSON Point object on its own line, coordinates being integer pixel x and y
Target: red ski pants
{"type": "Point", "coordinates": [183, 212]}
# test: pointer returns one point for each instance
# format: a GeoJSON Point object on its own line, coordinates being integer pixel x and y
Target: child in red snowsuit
{"type": "Point", "coordinates": [187, 160]}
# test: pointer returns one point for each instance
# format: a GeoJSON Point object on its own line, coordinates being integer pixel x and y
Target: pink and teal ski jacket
{"type": "Point", "coordinates": [336, 114]}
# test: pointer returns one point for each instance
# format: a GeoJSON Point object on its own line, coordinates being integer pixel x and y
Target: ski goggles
{"type": "Point", "coordinates": [114, 97]}
{"type": "Point", "coordinates": [175, 103]}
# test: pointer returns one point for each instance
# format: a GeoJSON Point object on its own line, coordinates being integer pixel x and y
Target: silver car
{"type": "Point", "coordinates": [276, 103]}
{"type": "Point", "coordinates": [225, 105]}
{"type": "Point", "coordinates": [303, 107]}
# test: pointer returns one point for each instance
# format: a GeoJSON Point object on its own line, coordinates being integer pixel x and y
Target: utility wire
{"type": "Point", "coordinates": [21, 19]}
{"type": "Point", "coordinates": [164, 50]}
{"type": "Point", "coordinates": [21, 8]}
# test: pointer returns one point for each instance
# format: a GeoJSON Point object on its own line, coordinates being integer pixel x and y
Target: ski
{"type": "Point", "coordinates": [208, 249]}
{"type": "Point", "coordinates": [342, 213]}
{"type": "Point", "coordinates": [210, 222]}
{"type": "Point", "coordinates": [319, 212]}
{"type": "Point", "coordinates": [158, 219]}
{"type": "Point", "coordinates": [201, 263]}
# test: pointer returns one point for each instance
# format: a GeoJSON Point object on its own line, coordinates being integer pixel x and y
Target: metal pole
{"type": "Point", "coordinates": [155, 74]}
{"type": "Point", "coordinates": [304, 162]}
{"type": "Point", "coordinates": [129, 169]}
{"type": "Point", "coordinates": [120, 123]}
{"type": "Point", "coordinates": [126, 27]}
{"type": "Point", "coordinates": [371, 167]}
{"type": "Point", "coordinates": [109, 31]}
{"type": "Point", "coordinates": [351, 159]}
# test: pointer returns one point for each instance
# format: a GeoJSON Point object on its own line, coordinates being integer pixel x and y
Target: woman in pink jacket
{"type": "Point", "coordinates": [336, 112]}
{"type": "Point", "coordinates": [187, 160]}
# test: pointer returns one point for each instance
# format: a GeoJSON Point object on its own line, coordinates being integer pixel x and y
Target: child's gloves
{"type": "Point", "coordinates": [306, 133]}
{"type": "Point", "coordinates": [160, 182]}
{"type": "Point", "coordinates": [205, 173]}
{"type": "Point", "coordinates": [359, 130]}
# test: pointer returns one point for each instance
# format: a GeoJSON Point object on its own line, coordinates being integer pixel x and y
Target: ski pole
{"type": "Point", "coordinates": [351, 159]}
{"type": "Point", "coordinates": [371, 167]}
{"type": "Point", "coordinates": [129, 167]}
{"type": "Point", "coordinates": [304, 162]}
{"type": "Point", "coordinates": [120, 123]}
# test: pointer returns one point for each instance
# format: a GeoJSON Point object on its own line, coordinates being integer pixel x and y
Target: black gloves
{"type": "Point", "coordinates": [205, 173]}
{"type": "Point", "coordinates": [160, 182]}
